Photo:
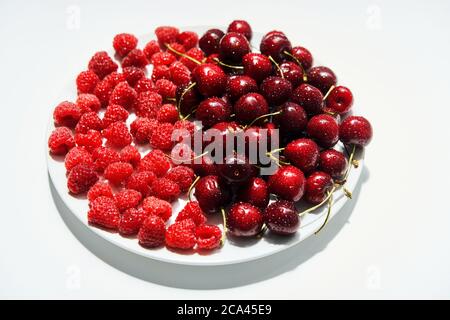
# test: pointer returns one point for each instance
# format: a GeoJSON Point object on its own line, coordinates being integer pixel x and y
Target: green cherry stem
{"type": "Point", "coordinates": [181, 54]}
{"type": "Point", "coordinates": [330, 204]}
{"type": "Point", "coordinates": [193, 84]}
{"type": "Point", "coordinates": [225, 228]}
{"type": "Point", "coordinates": [228, 65]}
{"type": "Point", "coordinates": [329, 195]}
{"type": "Point", "coordinates": [192, 187]}
{"type": "Point", "coordinates": [328, 92]}
{"type": "Point", "coordinates": [277, 65]}
{"type": "Point", "coordinates": [262, 117]}
{"type": "Point", "coordinates": [305, 77]}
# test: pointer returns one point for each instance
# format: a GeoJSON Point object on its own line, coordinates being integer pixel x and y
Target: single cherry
{"type": "Point", "coordinates": [255, 192]}
{"type": "Point", "coordinates": [242, 27]}
{"type": "Point", "coordinates": [339, 100]}
{"type": "Point", "coordinates": [235, 168]}
{"type": "Point", "coordinates": [276, 90]}
{"type": "Point", "coordinates": [228, 131]}
{"type": "Point", "coordinates": [257, 66]}
{"type": "Point", "coordinates": [303, 153]}
{"type": "Point", "coordinates": [249, 107]}
{"type": "Point", "coordinates": [213, 110]}
{"type": "Point", "coordinates": [233, 46]}
{"type": "Point", "coordinates": [209, 42]}
{"type": "Point", "coordinates": [291, 72]}
{"type": "Point", "coordinates": [317, 186]}
{"type": "Point", "coordinates": [239, 85]}
{"type": "Point", "coordinates": [322, 78]}
{"type": "Point", "coordinates": [212, 193]}
{"type": "Point", "coordinates": [356, 131]}
{"type": "Point", "coordinates": [288, 183]}
{"type": "Point", "coordinates": [210, 79]}
{"type": "Point", "coordinates": [333, 162]}
{"type": "Point", "coordinates": [275, 44]}
{"type": "Point", "coordinates": [323, 129]}
{"type": "Point", "coordinates": [188, 97]}
{"type": "Point", "coordinates": [309, 97]}
{"type": "Point", "coordinates": [244, 220]}
{"type": "Point", "coordinates": [204, 166]}
{"type": "Point", "coordinates": [292, 119]}
{"type": "Point", "coordinates": [303, 56]}
{"type": "Point", "coordinates": [281, 217]}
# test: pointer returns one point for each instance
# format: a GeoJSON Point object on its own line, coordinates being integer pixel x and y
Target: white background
{"type": "Point", "coordinates": [391, 242]}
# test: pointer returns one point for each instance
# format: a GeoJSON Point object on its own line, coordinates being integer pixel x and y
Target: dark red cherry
{"type": "Point", "coordinates": [187, 99]}
{"type": "Point", "coordinates": [204, 166]}
{"type": "Point", "coordinates": [309, 97]}
{"type": "Point", "coordinates": [213, 110]}
{"type": "Point", "coordinates": [317, 186]}
{"type": "Point", "coordinates": [233, 47]}
{"type": "Point", "coordinates": [276, 90]}
{"type": "Point", "coordinates": [244, 220]}
{"type": "Point", "coordinates": [239, 85]}
{"type": "Point", "coordinates": [303, 56]}
{"type": "Point", "coordinates": [287, 183]}
{"type": "Point", "coordinates": [333, 162]}
{"type": "Point", "coordinates": [291, 72]}
{"type": "Point", "coordinates": [303, 153]}
{"type": "Point", "coordinates": [322, 78]}
{"type": "Point", "coordinates": [281, 217]}
{"type": "Point", "coordinates": [209, 42]}
{"type": "Point", "coordinates": [257, 143]}
{"type": "Point", "coordinates": [210, 79]}
{"type": "Point", "coordinates": [339, 100]}
{"type": "Point", "coordinates": [228, 133]}
{"type": "Point", "coordinates": [275, 45]}
{"type": "Point", "coordinates": [249, 107]}
{"type": "Point", "coordinates": [292, 120]}
{"type": "Point", "coordinates": [274, 33]}
{"type": "Point", "coordinates": [257, 66]}
{"type": "Point", "coordinates": [255, 192]}
{"type": "Point", "coordinates": [242, 27]}
{"type": "Point", "coordinates": [356, 131]}
{"type": "Point", "coordinates": [323, 129]}
{"type": "Point", "coordinates": [212, 193]}
{"type": "Point", "coordinates": [235, 168]}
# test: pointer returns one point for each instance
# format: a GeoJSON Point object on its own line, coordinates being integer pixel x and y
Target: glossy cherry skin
{"type": "Point", "coordinates": [287, 183]}
{"type": "Point", "coordinates": [257, 66]}
{"type": "Point", "coordinates": [323, 129]}
{"type": "Point", "coordinates": [309, 97]}
{"type": "Point", "coordinates": [303, 56]}
{"type": "Point", "coordinates": [235, 168]}
{"type": "Point", "coordinates": [213, 110]}
{"type": "Point", "coordinates": [333, 162]}
{"type": "Point", "coordinates": [356, 131]}
{"type": "Point", "coordinates": [210, 79]}
{"type": "Point", "coordinates": [209, 42]}
{"type": "Point", "coordinates": [291, 72]}
{"type": "Point", "coordinates": [317, 186]}
{"type": "Point", "coordinates": [190, 99]}
{"type": "Point", "coordinates": [322, 78]}
{"type": "Point", "coordinates": [233, 47]}
{"type": "Point", "coordinates": [242, 27]}
{"type": "Point", "coordinates": [340, 100]}
{"type": "Point", "coordinates": [249, 107]}
{"type": "Point", "coordinates": [276, 90]}
{"type": "Point", "coordinates": [257, 141]}
{"type": "Point", "coordinates": [228, 132]}
{"type": "Point", "coordinates": [239, 85]}
{"type": "Point", "coordinates": [212, 193]}
{"type": "Point", "coordinates": [275, 45]}
{"type": "Point", "coordinates": [255, 192]}
{"type": "Point", "coordinates": [292, 120]}
{"type": "Point", "coordinates": [244, 220]}
{"type": "Point", "coordinates": [204, 166]}
{"type": "Point", "coordinates": [281, 217]}
{"type": "Point", "coordinates": [303, 153]}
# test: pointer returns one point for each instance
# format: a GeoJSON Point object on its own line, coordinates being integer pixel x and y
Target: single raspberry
{"type": "Point", "coordinates": [114, 78]}
{"type": "Point", "coordinates": [104, 156]}
{"type": "Point", "coordinates": [184, 130]}
{"type": "Point", "coordinates": [160, 72]}
{"type": "Point", "coordinates": [168, 113]}
{"type": "Point", "coordinates": [181, 235]}
{"type": "Point", "coordinates": [88, 102]}
{"type": "Point", "coordinates": [118, 172]}
{"type": "Point", "coordinates": [66, 114]}
{"type": "Point", "coordinates": [188, 39]}
{"type": "Point", "coordinates": [117, 134]}
{"type": "Point", "coordinates": [208, 237]}
{"type": "Point", "coordinates": [166, 88]}
{"type": "Point", "coordinates": [163, 58]}
{"type": "Point", "coordinates": [166, 34]}
{"type": "Point", "coordinates": [179, 73]}
{"type": "Point", "coordinates": [192, 211]}
{"type": "Point", "coordinates": [151, 48]}
{"type": "Point", "coordinates": [165, 189]}
{"type": "Point", "coordinates": [81, 178]}
{"type": "Point", "coordinates": [182, 175]}
{"type": "Point", "coordinates": [127, 198]}
{"type": "Point", "coordinates": [61, 141]}
{"type": "Point", "coordinates": [123, 43]}
{"type": "Point", "coordinates": [141, 181]}
{"type": "Point", "coordinates": [131, 155]}
{"type": "Point", "coordinates": [178, 47]}
{"type": "Point", "coordinates": [104, 213]}
{"type": "Point", "coordinates": [100, 189]}
{"type": "Point", "coordinates": [89, 121]}
{"type": "Point", "coordinates": [103, 91]}
{"type": "Point", "coordinates": [123, 95]}
{"type": "Point", "coordinates": [157, 207]}
{"type": "Point", "coordinates": [90, 140]}
{"type": "Point", "coordinates": [161, 137]}
{"type": "Point", "coordinates": [148, 103]}
{"type": "Point", "coordinates": [141, 128]}
{"type": "Point", "coordinates": [76, 156]}
{"type": "Point", "coordinates": [152, 232]}
{"type": "Point", "coordinates": [114, 113]}
{"type": "Point", "coordinates": [87, 81]}
{"type": "Point", "coordinates": [135, 58]}
{"type": "Point", "coordinates": [102, 64]}
{"type": "Point", "coordinates": [131, 221]}
{"type": "Point", "coordinates": [144, 84]}
{"type": "Point", "coordinates": [194, 53]}
{"type": "Point", "coordinates": [133, 75]}
{"type": "Point", "coordinates": [155, 161]}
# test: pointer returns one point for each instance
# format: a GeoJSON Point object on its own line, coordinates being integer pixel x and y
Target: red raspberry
{"type": "Point", "coordinates": [161, 137]}
{"type": "Point", "coordinates": [61, 141]}
{"type": "Point", "coordinates": [152, 232]}
{"type": "Point", "coordinates": [124, 43]}
{"type": "Point", "coordinates": [81, 178]}
{"type": "Point", "coordinates": [143, 85]}
{"type": "Point", "coordinates": [181, 235]}
{"type": "Point", "coordinates": [103, 156]}
{"type": "Point", "coordinates": [195, 53]}
{"type": "Point", "coordinates": [114, 78]}
{"type": "Point", "coordinates": [87, 81]}
{"type": "Point", "coordinates": [131, 221]}
{"type": "Point", "coordinates": [168, 113]}
{"type": "Point", "coordinates": [157, 207]}
{"type": "Point", "coordinates": [88, 102]}
{"type": "Point", "coordinates": [117, 134]}
{"type": "Point", "coordinates": [131, 155]}
{"type": "Point", "coordinates": [104, 213]}
{"type": "Point", "coordinates": [165, 189]}
{"type": "Point", "coordinates": [166, 34]}
{"type": "Point", "coordinates": [163, 58]}
{"type": "Point", "coordinates": [188, 39]}
{"type": "Point", "coordinates": [90, 140]}
{"type": "Point", "coordinates": [166, 88]}
{"type": "Point", "coordinates": [136, 58]}
{"type": "Point", "coordinates": [208, 237]}
{"type": "Point", "coordinates": [155, 161]}
{"type": "Point", "coordinates": [103, 91]}
{"type": "Point", "coordinates": [183, 176]}
{"type": "Point", "coordinates": [179, 73]}
{"type": "Point", "coordinates": [192, 211]}
{"type": "Point", "coordinates": [212, 58]}
{"type": "Point", "coordinates": [132, 75]}
{"type": "Point", "coordinates": [100, 189]}
{"type": "Point", "coordinates": [151, 48]}
{"type": "Point", "coordinates": [148, 104]}
{"type": "Point", "coordinates": [141, 128]}
{"type": "Point", "coordinates": [186, 130]}
{"type": "Point", "coordinates": [66, 114]}
{"type": "Point", "coordinates": [123, 95]}
{"type": "Point", "coordinates": [178, 47]}
{"type": "Point", "coordinates": [118, 172]}
{"type": "Point", "coordinates": [141, 181]}
{"type": "Point", "coordinates": [127, 198]}
{"type": "Point", "coordinates": [76, 156]}
{"type": "Point", "coordinates": [102, 65]}
{"type": "Point", "coordinates": [114, 113]}
{"type": "Point", "coordinates": [89, 121]}
{"type": "Point", "coordinates": [160, 72]}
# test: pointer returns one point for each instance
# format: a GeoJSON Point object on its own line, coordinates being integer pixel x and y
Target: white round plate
{"type": "Point", "coordinates": [234, 251]}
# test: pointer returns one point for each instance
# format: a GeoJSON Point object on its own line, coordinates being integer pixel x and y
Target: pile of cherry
{"type": "Point", "coordinates": [219, 81]}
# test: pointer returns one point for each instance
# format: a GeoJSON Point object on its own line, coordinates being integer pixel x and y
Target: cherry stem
{"type": "Point", "coordinates": [276, 150]}
{"type": "Point", "coordinates": [193, 84]}
{"type": "Point", "coordinates": [305, 77]}
{"type": "Point", "coordinates": [330, 204]}
{"type": "Point", "coordinates": [192, 187]}
{"type": "Point", "coordinates": [225, 229]}
{"type": "Point", "coordinates": [277, 161]}
{"type": "Point", "coordinates": [350, 164]}
{"type": "Point", "coordinates": [262, 117]}
{"type": "Point", "coordinates": [277, 65]}
{"type": "Point", "coordinates": [329, 195]}
{"type": "Point", "coordinates": [189, 115]}
{"type": "Point", "coordinates": [182, 54]}
{"type": "Point", "coordinates": [227, 65]}
{"type": "Point", "coordinates": [328, 92]}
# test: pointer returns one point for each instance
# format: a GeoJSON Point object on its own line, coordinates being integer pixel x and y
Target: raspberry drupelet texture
{"type": "Point", "coordinates": [89, 121]}
{"type": "Point", "coordinates": [144, 84]}
{"type": "Point", "coordinates": [141, 128]}
{"type": "Point", "coordinates": [61, 141]}
{"type": "Point", "coordinates": [104, 213]}
{"type": "Point", "coordinates": [208, 237]}
{"type": "Point", "coordinates": [192, 211]}
{"type": "Point", "coordinates": [104, 156]}
{"type": "Point", "coordinates": [90, 140]}
{"type": "Point", "coordinates": [152, 232]}
{"type": "Point", "coordinates": [165, 189]}
{"type": "Point", "coordinates": [179, 73]}
{"type": "Point", "coordinates": [66, 114]}
{"type": "Point", "coordinates": [161, 137]}
{"type": "Point", "coordinates": [183, 176]}
{"type": "Point", "coordinates": [148, 103]}
{"type": "Point", "coordinates": [155, 161]}
{"type": "Point", "coordinates": [166, 34]}
{"type": "Point", "coordinates": [135, 58]}
{"type": "Point", "coordinates": [123, 95]}
{"type": "Point", "coordinates": [163, 58]}
{"type": "Point", "coordinates": [123, 43]}
{"type": "Point", "coordinates": [102, 64]}
{"type": "Point", "coordinates": [81, 178]}
{"type": "Point", "coordinates": [114, 113]}
{"type": "Point", "coordinates": [166, 88]}
{"type": "Point", "coordinates": [188, 39]}
{"type": "Point", "coordinates": [87, 81]}
{"type": "Point", "coordinates": [157, 207]}
{"type": "Point", "coordinates": [118, 172]}
{"type": "Point", "coordinates": [99, 189]}
{"type": "Point", "coordinates": [160, 72]}
{"type": "Point", "coordinates": [194, 53]}
{"type": "Point", "coordinates": [167, 113]}
{"type": "Point", "coordinates": [151, 48]}
{"type": "Point", "coordinates": [141, 181]}
{"type": "Point", "coordinates": [127, 199]}
{"type": "Point", "coordinates": [76, 156]}
{"type": "Point", "coordinates": [131, 155]}
{"type": "Point", "coordinates": [133, 74]}
{"type": "Point", "coordinates": [117, 134]}
{"type": "Point", "coordinates": [181, 235]}
{"type": "Point", "coordinates": [131, 221]}
{"type": "Point", "coordinates": [88, 102]}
